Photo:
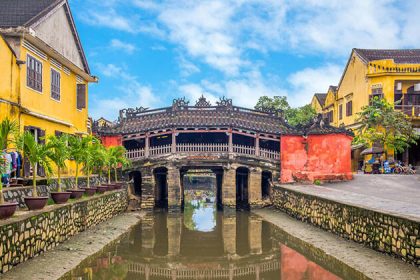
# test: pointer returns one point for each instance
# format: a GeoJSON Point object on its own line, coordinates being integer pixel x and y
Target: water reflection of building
{"type": "Point", "coordinates": [164, 248]}
{"type": "Point", "coordinates": [241, 246]}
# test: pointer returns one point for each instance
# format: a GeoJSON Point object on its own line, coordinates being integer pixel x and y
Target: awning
{"type": "Point", "coordinates": [373, 150]}
{"type": "Point", "coordinates": [358, 146]}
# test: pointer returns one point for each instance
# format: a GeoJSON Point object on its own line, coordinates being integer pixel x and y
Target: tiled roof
{"type": "Point", "coordinates": [320, 126]}
{"type": "Point", "coordinates": [321, 98]}
{"type": "Point", "coordinates": [411, 56]}
{"type": "Point", "coordinates": [224, 115]}
{"type": "Point", "coordinates": [204, 118]}
{"type": "Point", "coordinates": [14, 13]}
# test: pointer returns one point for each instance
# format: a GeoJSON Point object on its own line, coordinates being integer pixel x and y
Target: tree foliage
{"type": "Point", "coordinates": [294, 116]}
{"type": "Point", "coordinates": [36, 154]}
{"type": "Point", "coordinates": [58, 153]}
{"type": "Point", "coordinates": [381, 124]}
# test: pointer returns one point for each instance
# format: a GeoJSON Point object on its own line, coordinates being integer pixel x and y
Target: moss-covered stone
{"type": "Point", "coordinates": [26, 236]}
{"type": "Point", "coordinates": [385, 233]}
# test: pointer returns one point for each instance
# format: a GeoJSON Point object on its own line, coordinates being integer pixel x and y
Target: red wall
{"type": "Point", "coordinates": [296, 266]}
{"type": "Point", "coordinates": [317, 157]}
{"type": "Point", "coordinates": [109, 141]}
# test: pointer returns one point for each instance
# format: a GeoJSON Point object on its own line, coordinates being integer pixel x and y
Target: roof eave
{"type": "Point", "coordinates": [51, 9]}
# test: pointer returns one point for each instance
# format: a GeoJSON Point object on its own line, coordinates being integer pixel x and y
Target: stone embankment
{"type": "Point", "coordinates": [16, 194]}
{"type": "Point", "coordinates": [28, 235]}
{"type": "Point", "coordinates": [394, 235]}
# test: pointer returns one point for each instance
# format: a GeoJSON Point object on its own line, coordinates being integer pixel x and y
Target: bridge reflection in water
{"type": "Point", "coordinates": [163, 246]}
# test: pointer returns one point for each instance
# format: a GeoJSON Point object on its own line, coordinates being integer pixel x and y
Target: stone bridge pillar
{"type": "Point", "coordinates": [255, 195]}
{"type": "Point", "coordinates": [174, 235]}
{"type": "Point", "coordinates": [174, 189]}
{"type": "Point", "coordinates": [147, 189]}
{"type": "Point", "coordinates": [147, 236]}
{"type": "Point", "coordinates": [254, 231]}
{"type": "Point", "coordinates": [229, 188]}
{"type": "Point", "coordinates": [229, 233]}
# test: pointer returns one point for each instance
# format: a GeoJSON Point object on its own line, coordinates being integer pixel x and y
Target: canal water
{"type": "Point", "coordinates": [204, 243]}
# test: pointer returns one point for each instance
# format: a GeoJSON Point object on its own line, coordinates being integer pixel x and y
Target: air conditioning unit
{"type": "Point", "coordinates": [399, 86]}
{"type": "Point", "coordinates": [417, 87]}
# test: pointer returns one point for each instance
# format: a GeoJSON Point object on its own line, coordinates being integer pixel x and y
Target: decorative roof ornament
{"type": "Point", "coordinates": [272, 111]}
{"type": "Point", "coordinates": [131, 112]}
{"type": "Point", "coordinates": [202, 102]}
{"type": "Point", "coordinates": [179, 103]}
{"type": "Point", "coordinates": [224, 102]}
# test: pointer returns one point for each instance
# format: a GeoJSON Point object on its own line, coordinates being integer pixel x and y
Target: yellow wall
{"type": "Point", "coordinates": [315, 105]}
{"type": "Point", "coordinates": [18, 101]}
{"type": "Point", "coordinates": [41, 102]}
{"type": "Point", "coordinates": [357, 82]}
{"type": "Point", "coordinates": [9, 82]}
{"type": "Point", "coordinates": [330, 105]}
{"type": "Point", "coordinates": [354, 87]}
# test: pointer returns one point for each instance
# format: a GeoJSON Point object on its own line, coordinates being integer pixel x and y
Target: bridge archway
{"type": "Point", "coordinates": [216, 184]}
{"type": "Point", "coordinates": [242, 183]}
{"type": "Point", "coordinates": [161, 187]}
{"type": "Point", "coordinates": [266, 179]}
{"type": "Point", "coordinates": [136, 177]}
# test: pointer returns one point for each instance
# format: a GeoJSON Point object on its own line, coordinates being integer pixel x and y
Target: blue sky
{"type": "Point", "coordinates": [146, 53]}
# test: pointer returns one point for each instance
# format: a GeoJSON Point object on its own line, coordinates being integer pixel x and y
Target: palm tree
{"type": "Point", "coordinates": [90, 156]}
{"type": "Point", "coordinates": [37, 155]}
{"type": "Point", "coordinates": [8, 132]}
{"type": "Point", "coordinates": [78, 151]}
{"type": "Point", "coordinates": [110, 161]}
{"type": "Point", "coordinates": [58, 153]}
{"type": "Point", "coordinates": [118, 159]}
{"type": "Point", "coordinates": [100, 159]}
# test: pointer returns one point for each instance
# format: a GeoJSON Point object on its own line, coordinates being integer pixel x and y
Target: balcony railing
{"type": "Point", "coordinates": [136, 154]}
{"type": "Point", "coordinates": [409, 110]}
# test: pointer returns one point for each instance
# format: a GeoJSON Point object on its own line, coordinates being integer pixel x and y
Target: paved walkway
{"type": "Point", "coordinates": [55, 263]}
{"type": "Point", "coordinates": [373, 264]}
{"type": "Point", "coordinates": [392, 194]}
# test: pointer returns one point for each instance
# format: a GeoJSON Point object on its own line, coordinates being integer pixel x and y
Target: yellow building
{"type": "Point", "coordinates": [390, 74]}
{"type": "Point", "coordinates": [318, 101]}
{"type": "Point", "coordinates": [44, 74]}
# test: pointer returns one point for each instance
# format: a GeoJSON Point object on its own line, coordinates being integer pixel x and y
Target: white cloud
{"type": "Point", "coordinates": [130, 94]}
{"type": "Point", "coordinates": [308, 81]}
{"type": "Point", "coordinates": [109, 18]}
{"type": "Point", "coordinates": [246, 91]}
{"type": "Point", "coordinates": [122, 46]}
{"type": "Point", "coordinates": [187, 68]}
{"type": "Point", "coordinates": [194, 91]}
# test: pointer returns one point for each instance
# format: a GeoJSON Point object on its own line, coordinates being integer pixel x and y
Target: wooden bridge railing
{"type": "Point", "coordinates": [190, 148]}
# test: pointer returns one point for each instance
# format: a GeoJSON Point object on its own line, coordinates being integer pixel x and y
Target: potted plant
{"type": "Point", "coordinates": [91, 155]}
{"type": "Point", "coordinates": [77, 153]}
{"type": "Point", "coordinates": [59, 153]}
{"type": "Point", "coordinates": [119, 159]}
{"type": "Point", "coordinates": [37, 155]}
{"type": "Point", "coordinates": [109, 160]}
{"type": "Point", "coordinates": [7, 129]}
{"type": "Point", "coordinates": [100, 160]}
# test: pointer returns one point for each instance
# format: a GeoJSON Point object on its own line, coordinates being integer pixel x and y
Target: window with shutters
{"type": "Point", "coordinates": [55, 85]}
{"type": "Point", "coordinates": [349, 108]}
{"type": "Point", "coordinates": [340, 111]}
{"type": "Point", "coordinates": [81, 96]}
{"type": "Point", "coordinates": [34, 73]}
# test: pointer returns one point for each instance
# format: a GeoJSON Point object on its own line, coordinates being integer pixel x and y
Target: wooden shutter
{"type": "Point", "coordinates": [81, 96]}
{"type": "Point", "coordinates": [340, 111]}
{"type": "Point", "coordinates": [349, 108]}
